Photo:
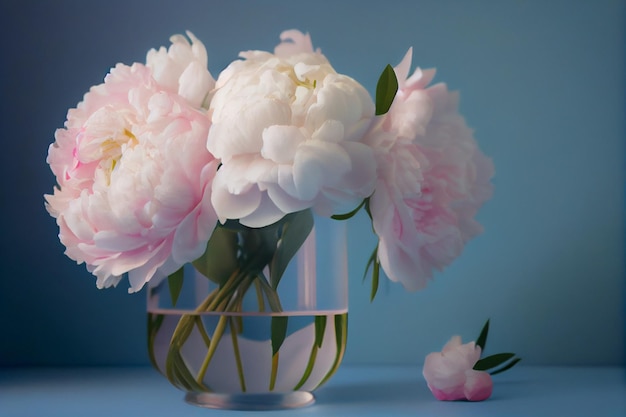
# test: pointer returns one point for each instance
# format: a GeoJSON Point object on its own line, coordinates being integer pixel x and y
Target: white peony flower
{"type": "Point", "coordinates": [288, 131]}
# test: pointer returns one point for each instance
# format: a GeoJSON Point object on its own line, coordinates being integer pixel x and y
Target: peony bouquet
{"type": "Point", "coordinates": [161, 156]}
{"type": "Point", "coordinates": [162, 168]}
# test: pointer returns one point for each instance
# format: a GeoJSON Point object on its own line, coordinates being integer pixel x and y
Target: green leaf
{"type": "Point", "coordinates": [279, 332]}
{"type": "Point", "coordinates": [506, 367]}
{"type": "Point", "coordinates": [341, 337]}
{"type": "Point", "coordinates": [175, 284]}
{"type": "Point", "coordinates": [219, 260]}
{"type": "Point", "coordinates": [482, 339]}
{"type": "Point", "coordinates": [296, 229]}
{"type": "Point", "coordinates": [370, 261]}
{"type": "Point", "coordinates": [492, 361]}
{"type": "Point", "coordinates": [386, 90]}
{"type": "Point", "coordinates": [375, 276]}
{"type": "Point", "coordinates": [373, 261]}
{"type": "Point", "coordinates": [349, 215]}
{"type": "Point", "coordinates": [320, 328]}
{"type": "Point", "coordinates": [260, 245]}
{"type": "Point", "coordinates": [309, 368]}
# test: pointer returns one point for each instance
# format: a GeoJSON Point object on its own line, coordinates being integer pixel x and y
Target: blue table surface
{"type": "Point", "coordinates": [354, 391]}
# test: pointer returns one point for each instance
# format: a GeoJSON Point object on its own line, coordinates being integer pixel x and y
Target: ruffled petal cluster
{"type": "Point", "coordinates": [288, 130]}
{"type": "Point", "coordinates": [182, 69]}
{"type": "Point", "coordinates": [134, 179]}
{"type": "Point", "coordinates": [432, 179]}
{"type": "Point", "coordinates": [450, 375]}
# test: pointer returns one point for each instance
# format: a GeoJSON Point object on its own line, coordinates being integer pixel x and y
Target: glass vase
{"type": "Point", "coordinates": [260, 320]}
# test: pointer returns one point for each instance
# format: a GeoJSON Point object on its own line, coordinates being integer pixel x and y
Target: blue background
{"type": "Point", "coordinates": [542, 84]}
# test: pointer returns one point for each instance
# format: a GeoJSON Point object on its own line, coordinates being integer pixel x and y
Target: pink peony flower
{"type": "Point", "coordinates": [288, 131]}
{"type": "Point", "coordinates": [134, 180]}
{"type": "Point", "coordinates": [432, 179]}
{"type": "Point", "coordinates": [450, 375]}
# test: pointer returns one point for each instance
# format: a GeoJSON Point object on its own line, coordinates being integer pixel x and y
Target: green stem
{"type": "Point", "coordinates": [259, 295]}
{"type": "Point", "coordinates": [226, 292]}
{"type": "Point", "coordinates": [181, 375]}
{"type": "Point", "coordinates": [154, 324]}
{"type": "Point", "coordinates": [179, 336]}
{"type": "Point", "coordinates": [228, 297]}
{"type": "Point", "coordinates": [215, 340]}
{"type": "Point", "coordinates": [233, 335]}
{"type": "Point", "coordinates": [236, 298]}
{"type": "Point", "coordinates": [202, 330]}
{"type": "Point", "coordinates": [271, 294]}
{"type": "Point", "coordinates": [274, 371]}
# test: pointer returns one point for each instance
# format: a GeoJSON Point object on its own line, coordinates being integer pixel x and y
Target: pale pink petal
{"type": "Point", "coordinates": [235, 133]}
{"type": "Point", "coordinates": [318, 163]}
{"type": "Point", "coordinates": [230, 205]}
{"type": "Point", "coordinates": [329, 131]}
{"type": "Point", "coordinates": [286, 181]}
{"type": "Point", "coordinates": [285, 202]}
{"type": "Point", "coordinates": [478, 385]}
{"type": "Point", "coordinates": [453, 344]}
{"type": "Point", "coordinates": [445, 382]}
{"type": "Point", "coordinates": [197, 49]}
{"type": "Point", "coordinates": [107, 281]}
{"type": "Point", "coordinates": [259, 170]}
{"type": "Point", "coordinates": [140, 276]}
{"type": "Point", "coordinates": [193, 232]}
{"type": "Point", "coordinates": [403, 68]}
{"type": "Point", "coordinates": [195, 83]}
{"type": "Point", "coordinates": [293, 42]}
{"type": "Point", "coordinates": [280, 143]}
{"type": "Point", "coordinates": [265, 214]}
{"type": "Point", "coordinates": [182, 69]}
{"type": "Point", "coordinates": [361, 178]}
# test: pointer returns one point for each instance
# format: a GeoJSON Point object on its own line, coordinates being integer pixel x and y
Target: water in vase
{"type": "Point", "coordinates": [234, 353]}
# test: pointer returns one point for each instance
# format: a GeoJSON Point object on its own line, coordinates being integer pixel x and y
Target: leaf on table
{"type": "Point", "coordinates": [482, 338]}
{"type": "Point", "coordinates": [492, 361]}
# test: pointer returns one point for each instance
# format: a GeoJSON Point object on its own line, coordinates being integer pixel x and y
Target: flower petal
{"type": "Point", "coordinates": [478, 385]}
{"type": "Point", "coordinates": [317, 164]}
{"type": "Point", "coordinates": [231, 205]}
{"type": "Point", "coordinates": [266, 213]}
{"type": "Point", "coordinates": [280, 143]}
{"type": "Point", "coordinates": [293, 42]}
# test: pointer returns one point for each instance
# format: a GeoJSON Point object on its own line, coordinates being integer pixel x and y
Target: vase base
{"type": "Point", "coordinates": [267, 401]}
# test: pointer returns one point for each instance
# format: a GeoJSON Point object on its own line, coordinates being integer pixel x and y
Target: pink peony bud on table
{"type": "Point", "coordinates": [450, 375]}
